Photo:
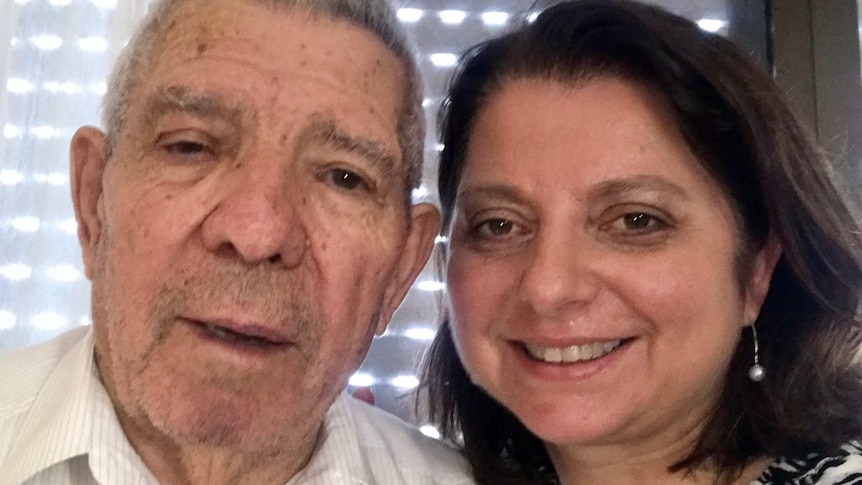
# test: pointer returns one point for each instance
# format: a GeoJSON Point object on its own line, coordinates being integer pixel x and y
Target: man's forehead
{"type": "Point", "coordinates": [291, 37]}
{"type": "Point", "coordinates": [214, 19]}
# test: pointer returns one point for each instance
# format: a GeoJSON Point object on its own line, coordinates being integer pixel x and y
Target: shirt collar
{"type": "Point", "coordinates": [56, 427]}
{"type": "Point", "coordinates": [73, 416]}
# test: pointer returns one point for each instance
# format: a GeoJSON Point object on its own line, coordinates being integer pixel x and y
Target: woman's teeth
{"type": "Point", "coordinates": [573, 353]}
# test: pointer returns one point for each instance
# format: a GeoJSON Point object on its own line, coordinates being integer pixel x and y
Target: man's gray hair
{"type": "Point", "coordinates": [377, 16]}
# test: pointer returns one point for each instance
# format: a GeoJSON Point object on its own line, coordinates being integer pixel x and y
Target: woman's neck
{"type": "Point", "coordinates": [625, 464]}
{"type": "Point", "coordinates": [644, 458]}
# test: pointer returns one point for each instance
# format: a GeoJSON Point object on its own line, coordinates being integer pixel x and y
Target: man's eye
{"type": "Point", "coordinates": [186, 148]}
{"type": "Point", "coordinates": [347, 179]}
{"type": "Point", "coordinates": [497, 227]}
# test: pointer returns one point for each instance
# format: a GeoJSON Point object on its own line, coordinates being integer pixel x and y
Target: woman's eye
{"type": "Point", "coordinates": [638, 221]}
{"type": "Point", "coordinates": [347, 180]}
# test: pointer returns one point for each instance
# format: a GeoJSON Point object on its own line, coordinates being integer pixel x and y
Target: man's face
{"type": "Point", "coordinates": [249, 234]}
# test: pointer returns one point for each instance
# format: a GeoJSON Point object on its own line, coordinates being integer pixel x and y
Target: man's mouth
{"type": "Point", "coordinates": [247, 336]}
{"type": "Point", "coordinates": [230, 336]}
{"type": "Point", "coordinates": [572, 353]}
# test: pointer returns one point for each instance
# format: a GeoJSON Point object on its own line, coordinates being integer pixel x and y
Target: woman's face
{"type": "Point", "coordinates": [592, 266]}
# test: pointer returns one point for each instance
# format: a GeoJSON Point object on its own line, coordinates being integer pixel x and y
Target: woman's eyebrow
{"type": "Point", "coordinates": [637, 183]}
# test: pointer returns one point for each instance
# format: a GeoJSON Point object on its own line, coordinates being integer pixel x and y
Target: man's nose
{"type": "Point", "coordinates": [257, 218]}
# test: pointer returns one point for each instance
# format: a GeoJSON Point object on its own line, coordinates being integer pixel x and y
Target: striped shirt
{"type": "Point", "coordinates": [843, 467]}
{"type": "Point", "coordinates": [58, 426]}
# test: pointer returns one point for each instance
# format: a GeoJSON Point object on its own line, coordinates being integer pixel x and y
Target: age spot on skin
{"type": "Point", "coordinates": [202, 47]}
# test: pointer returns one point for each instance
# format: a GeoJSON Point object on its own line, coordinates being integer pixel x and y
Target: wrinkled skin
{"type": "Point", "coordinates": [257, 186]}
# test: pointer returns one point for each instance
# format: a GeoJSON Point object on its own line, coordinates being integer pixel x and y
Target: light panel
{"type": "Point", "coordinates": [429, 285]}
{"type": "Point", "coordinates": [362, 380]}
{"type": "Point", "coordinates": [11, 177]}
{"type": "Point", "coordinates": [420, 333]}
{"type": "Point", "coordinates": [53, 178]}
{"type": "Point", "coordinates": [7, 320]}
{"type": "Point", "coordinates": [69, 226]}
{"type": "Point", "coordinates": [430, 431]}
{"type": "Point", "coordinates": [19, 86]}
{"type": "Point", "coordinates": [452, 17]}
{"type": "Point", "coordinates": [495, 19]}
{"type": "Point", "coordinates": [98, 88]}
{"type": "Point", "coordinates": [26, 223]}
{"type": "Point", "coordinates": [711, 25]}
{"type": "Point", "coordinates": [46, 42]}
{"type": "Point", "coordinates": [16, 272]}
{"type": "Point", "coordinates": [64, 88]}
{"type": "Point", "coordinates": [105, 4]}
{"type": "Point", "coordinates": [405, 381]}
{"type": "Point", "coordinates": [64, 273]}
{"type": "Point", "coordinates": [410, 15]}
{"type": "Point", "coordinates": [45, 132]}
{"type": "Point", "coordinates": [443, 59]}
{"type": "Point", "coordinates": [11, 131]}
{"type": "Point", "coordinates": [48, 321]}
{"type": "Point", "coordinates": [93, 44]}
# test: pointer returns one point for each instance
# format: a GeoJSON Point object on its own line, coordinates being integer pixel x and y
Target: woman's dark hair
{"type": "Point", "coordinates": [736, 122]}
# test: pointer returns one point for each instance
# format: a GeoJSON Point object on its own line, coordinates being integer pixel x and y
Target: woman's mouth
{"type": "Point", "coordinates": [572, 353]}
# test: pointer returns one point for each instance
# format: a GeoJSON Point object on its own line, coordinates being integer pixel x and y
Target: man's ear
{"type": "Point", "coordinates": [87, 166]}
{"type": "Point", "coordinates": [757, 286]}
{"type": "Point", "coordinates": [420, 242]}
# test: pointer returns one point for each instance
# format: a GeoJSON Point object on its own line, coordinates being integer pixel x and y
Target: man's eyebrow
{"type": "Point", "coordinates": [203, 104]}
{"type": "Point", "coordinates": [637, 183]}
{"type": "Point", "coordinates": [326, 131]}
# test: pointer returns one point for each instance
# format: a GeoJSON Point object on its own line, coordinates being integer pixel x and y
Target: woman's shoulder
{"type": "Point", "coordinates": [843, 467]}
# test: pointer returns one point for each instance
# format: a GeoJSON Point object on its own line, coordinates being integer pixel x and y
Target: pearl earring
{"type": "Point", "coordinates": [757, 372]}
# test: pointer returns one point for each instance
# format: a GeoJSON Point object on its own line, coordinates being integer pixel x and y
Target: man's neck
{"type": "Point", "coordinates": [185, 464]}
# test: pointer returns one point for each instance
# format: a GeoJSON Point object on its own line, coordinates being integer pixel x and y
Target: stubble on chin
{"type": "Point", "coordinates": [216, 406]}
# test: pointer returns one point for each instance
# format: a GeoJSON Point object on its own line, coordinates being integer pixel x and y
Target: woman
{"type": "Point", "coordinates": [652, 276]}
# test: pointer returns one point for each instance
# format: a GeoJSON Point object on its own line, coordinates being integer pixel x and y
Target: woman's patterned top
{"type": "Point", "coordinates": [841, 468]}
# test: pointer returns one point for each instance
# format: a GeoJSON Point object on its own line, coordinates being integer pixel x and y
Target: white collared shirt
{"type": "Point", "coordinates": [58, 427]}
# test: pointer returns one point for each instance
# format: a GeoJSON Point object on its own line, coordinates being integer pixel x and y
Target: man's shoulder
{"type": "Point", "coordinates": [24, 371]}
{"type": "Point", "coordinates": [388, 443]}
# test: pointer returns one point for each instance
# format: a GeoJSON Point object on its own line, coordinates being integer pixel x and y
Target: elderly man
{"type": "Point", "coordinates": [247, 226]}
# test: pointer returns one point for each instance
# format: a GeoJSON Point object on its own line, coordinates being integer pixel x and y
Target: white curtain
{"type": "Point", "coordinates": [55, 56]}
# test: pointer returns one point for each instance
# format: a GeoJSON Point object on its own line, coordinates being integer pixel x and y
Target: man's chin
{"type": "Point", "coordinates": [215, 419]}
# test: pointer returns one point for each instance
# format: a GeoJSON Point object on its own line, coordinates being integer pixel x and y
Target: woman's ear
{"type": "Point", "coordinates": [763, 265]}
{"type": "Point", "coordinates": [87, 166]}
